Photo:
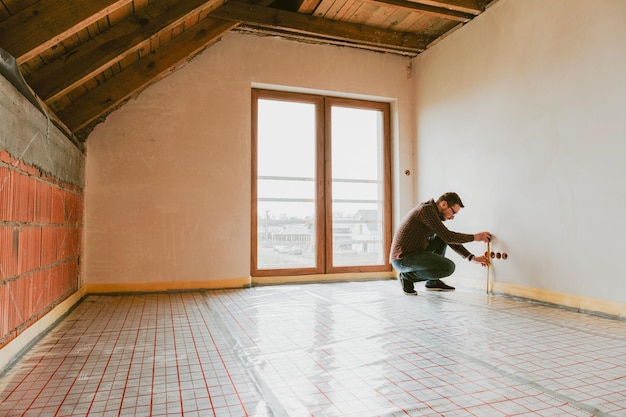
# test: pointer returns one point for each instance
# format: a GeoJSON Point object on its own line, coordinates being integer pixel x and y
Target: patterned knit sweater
{"type": "Point", "coordinates": [418, 225]}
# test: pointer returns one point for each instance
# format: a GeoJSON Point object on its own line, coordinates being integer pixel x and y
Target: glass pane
{"type": "Point", "coordinates": [357, 187]}
{"type": "Point", "coordinates": [286, 185]}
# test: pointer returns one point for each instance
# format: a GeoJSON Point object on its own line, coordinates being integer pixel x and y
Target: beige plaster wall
{"type": "Point", "coordinates": [523, 113]}
{"type": "Point", "coordinates": [168, 174]}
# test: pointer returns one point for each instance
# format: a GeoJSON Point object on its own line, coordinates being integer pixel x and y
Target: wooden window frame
{"type": "Point", "coordinates": [323, 225]}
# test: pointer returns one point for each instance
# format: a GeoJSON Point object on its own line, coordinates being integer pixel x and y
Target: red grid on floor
{"type": "Point", "coordinates": [358, 349]}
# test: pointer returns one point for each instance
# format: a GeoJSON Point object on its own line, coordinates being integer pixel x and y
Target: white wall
{"type": "Point", "coordinates": [168, 174]}
{"type": "Point", "coordinates": [523, 112]}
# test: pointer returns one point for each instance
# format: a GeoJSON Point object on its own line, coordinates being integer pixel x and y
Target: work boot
{"type": "Point", "coordinates": [407, 285]}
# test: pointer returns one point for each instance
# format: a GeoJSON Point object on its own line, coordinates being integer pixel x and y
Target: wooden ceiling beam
{"type": "Point", "coordinates": [312, 39]}
{"type": "Point", "coordinates": [48, 22]}
{"type": "Point", "coordinates": [474, 7]}
{"type": "Point", "coordinates": [142, 73]}
{"type": "Point", "coordinates": [332, 31]}
{"type": "Point", "coordinates": [411, 6]}
{"type": "Point", "coordinates": [101, 52]}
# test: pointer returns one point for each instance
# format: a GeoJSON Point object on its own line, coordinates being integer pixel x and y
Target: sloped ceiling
{"type": "Point", "coordinates": [84, 58]}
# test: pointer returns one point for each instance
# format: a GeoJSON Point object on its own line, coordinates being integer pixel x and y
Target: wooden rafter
{"type": "Point", "coordinates": [84, 58]}
{"type": "Point", "coordinates": [330, 30]}
{"type": "Point", "coordinates": [24, 36]}
{"type": "Point", "coordinates": [142, 73]}
{"type": "Point", "coordinates": [426, 9]}
{"type": "Point", "coordinates": [99, 53]}
{"type": "Point", "coordinates": [474, 7]}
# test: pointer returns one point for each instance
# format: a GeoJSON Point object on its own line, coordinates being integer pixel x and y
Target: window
{"type": "Point", "coordinates": [321, 184]}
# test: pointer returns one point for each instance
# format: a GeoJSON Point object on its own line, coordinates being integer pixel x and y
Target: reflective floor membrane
{"type": "Point", "coordinates": [345, 349]}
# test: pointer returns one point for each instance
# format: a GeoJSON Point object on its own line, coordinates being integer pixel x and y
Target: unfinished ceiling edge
{"type": "Point", "coordinates": [314, 40]}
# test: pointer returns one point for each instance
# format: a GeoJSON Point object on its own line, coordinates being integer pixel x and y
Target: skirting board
{"type": "Point", "coordinates": [146, 287]}
{"type": "Point", "coordinates": [551, 297]}
{"type": "Point", "coordinates": [305, 279]}
{"type": "Point", "coordinates": [243, 282]}
{"type": "Point", "coordinates": [575, 302]}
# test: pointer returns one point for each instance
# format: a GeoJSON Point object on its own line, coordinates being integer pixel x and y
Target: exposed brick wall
{"type": "Point", "coordinates": [41, 222]}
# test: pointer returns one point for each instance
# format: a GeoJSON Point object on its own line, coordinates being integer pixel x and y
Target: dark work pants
{"type": "Point", "coordinates": [430, 264]}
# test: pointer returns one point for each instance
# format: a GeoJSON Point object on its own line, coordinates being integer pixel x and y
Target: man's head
{"type": "Point", "coordinates": [449, 205]}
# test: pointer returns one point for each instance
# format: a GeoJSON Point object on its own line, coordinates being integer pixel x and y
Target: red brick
{"type": "Point", "coordinates": [6, 157]}
{"type": "Point", "coordinates": [48, 245]}
{"type": "Point", "coordinates": [6, 194]}
{"type": "Point", "coordinates": [29, 249]}
{"type": "Point", "coordinates": [58, 206]}
{"type": "Point", "coordinates": [24, 191]}
{"type": "Point", "coordinates": [4, 312]}
{"type": "Point", "coordinates": [9, 239]}
{"type": "Point", "coordinates": [43, 203]}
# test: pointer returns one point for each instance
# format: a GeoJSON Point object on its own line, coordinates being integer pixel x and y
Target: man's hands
{"type": "Point", "coordinates": [483, 237]}
{"type": "Point", "coordinates": [480, 260]}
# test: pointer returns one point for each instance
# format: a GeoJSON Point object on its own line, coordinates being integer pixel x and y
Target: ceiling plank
{"type": "Point", "coordinates": [14, 6]}
{"type": "Point", "coordinates": [474, 7]}
{"type": "Point", "coordinates": [426, 9]}
{"type": "Point", "coordinates": [46, 23]}
{"type": "Point", "coordinates": [99, 53]}
{"type": "Point", "coordinates": [142, 73]}
{"type": "Point", "coordinates": [332, 31]}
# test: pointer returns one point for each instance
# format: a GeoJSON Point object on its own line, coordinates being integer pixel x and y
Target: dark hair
{"type": "Point", "coordinates": [451, 199]}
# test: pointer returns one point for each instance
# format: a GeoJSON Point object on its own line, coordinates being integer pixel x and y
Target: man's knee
{"type": "Point", "coordinates": [449, 270]}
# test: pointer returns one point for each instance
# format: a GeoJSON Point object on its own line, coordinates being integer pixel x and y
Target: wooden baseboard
{"type": "Point", "coordinates": [145, 287]}
{"type": "Point", "coordinates": [576, 302]}
{"type": "Point", "coordinates": [242, 282]}
{"type": "Point", "coordinates": [303, 279]}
